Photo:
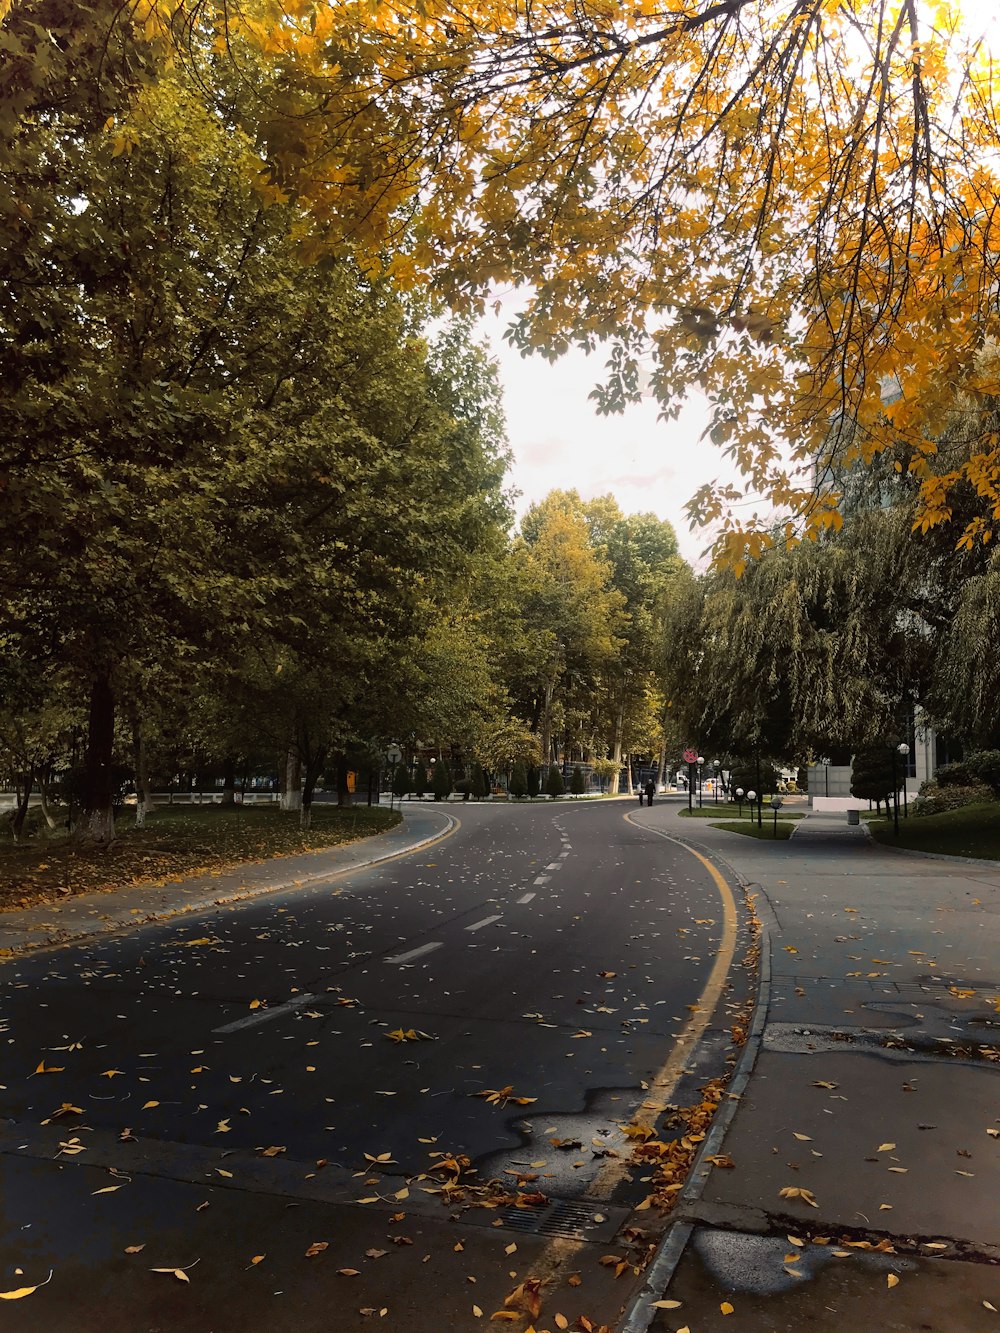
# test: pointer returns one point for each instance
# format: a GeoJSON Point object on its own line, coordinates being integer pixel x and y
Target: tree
{"type": "Point", "coordinates": [477, 783]}
{"type": "Point", "coordinates": [554, 785]}
{"type": "Point", "coordinates": [789, 205]}
{"type": "Point", "coordinates": [874, 776]}
{"type": "Point", "coordinates": [533, 781]}
{"type": "Point", "coordinates": [441, 783]}
{"type": "Point", "coordinates": [577, 784]}
{"type": "Point", "coordinates": [518, 785]}
{"type": "Point", "coordinates": [419, 779]}
{"type": "Point", "coordinates": [401, 780]}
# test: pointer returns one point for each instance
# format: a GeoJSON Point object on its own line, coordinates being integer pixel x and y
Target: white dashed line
{"type": "Point", "coordinates": [543, 879]}
{"type": "Point", "coordinates": [526, 897]}
{"type": "Point", "coordinates": [265, 1015]}
{"type": "Point", "coordinates": [556, 865]}
{"type": "Point", "coordinates": [486, 921]}
{"type": "Point", "coordinates": [415, 953]}
{"type": "Point", "coordinates": [562, 854]}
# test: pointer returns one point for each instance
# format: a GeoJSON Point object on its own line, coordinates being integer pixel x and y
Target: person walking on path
{"type": "Point", "coordinates": [640, 793]}
{"type": "Point", "coordinates": [650, 792]}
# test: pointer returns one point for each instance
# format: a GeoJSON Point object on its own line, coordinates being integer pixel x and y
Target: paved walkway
{"type": "Point", "coordinates": [95, 913]}
{"type": "Point", "coordinates": [874, 1089]}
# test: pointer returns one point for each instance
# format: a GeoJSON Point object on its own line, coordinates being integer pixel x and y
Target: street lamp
{"type": "Point", "coordinates": [716, 764]}
{"type": "Point", "coordinates": [393, 755]}
{"type": "Point", "coordinates": [776, 804]}
{"type": "Point", "coordinates": [739, 798]}
{"type": "Point", "coordinates": [701, 760]}
{"type": "Point", "coordinates": [903, 750]}
{"type": "Point", "coordinates": [751, 797]}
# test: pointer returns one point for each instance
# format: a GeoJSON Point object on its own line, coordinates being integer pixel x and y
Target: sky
{"type": "Point", "coordinates": [559, 442]}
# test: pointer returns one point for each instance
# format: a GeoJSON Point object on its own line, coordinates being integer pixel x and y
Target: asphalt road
{"type": "Point", "coordinates": [239, 1080]}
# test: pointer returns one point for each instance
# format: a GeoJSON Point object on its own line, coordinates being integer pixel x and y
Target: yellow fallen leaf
{"type": "Point", "coordinates": [988, 1306]}
{"type": "Point", "coordinates": [108, 1189]}
{"type": "Point", "coordinates": [886, 1147]}
{"type": "Point", "coordinates": [222, 1172]}
{"type": "Point", "coordinates": [803, 1138]}
{"type": "Point", "coordinates": [510, 1249]}
{"type": "Point", "coordinates": [726, 1308]}
{"type": "Point", "coordinates": [258, 1258]}
{"type": "Point", "coordinates": [891, 1280]}
{"type": "Point", "coordinates": [43, 1068]}
{"type": "Point", "coordinates": [794, 1192]}
{"type": "Point", "coordinates": [178, 1273]}
{"type": "Point", "coordinates": [349, 1272]}
{"type": "Point", "coordinates": [560, 1321]}
{"type": "Point", "coordinates": [477, 1312]}
{"type": "Point", "coordinates": [148, 1106]}
{"type": "Point", "coordinates": [18, 1292]}
{"type": "Point", "coordinates": [666, 1305]}
{"type": "Point", "coordinates": [134, 1249]}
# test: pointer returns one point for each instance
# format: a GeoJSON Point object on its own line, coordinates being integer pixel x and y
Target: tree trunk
{"type": "Point", "coordinates": [97, 822]}
{"type": "Point", "coordinates": [229, 780]}
{"type": "Point", "coordinates": [44, 777]}
{"type": "Point", "coordinates": [22, 786]}
{"type": "Point", "coordinates": [291, 797]}
{"type": "Point", "coordinates": [616, 749]}
{"type": "Point", "coordinates": [143, 794]}
{"type": "Point", "coordinates": [547, 726]}
{"type": "Point", "coordinates": [314, 767]}
{"type": "Point", "coordinates": [661, 764]}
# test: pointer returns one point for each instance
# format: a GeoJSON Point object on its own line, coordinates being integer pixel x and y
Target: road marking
{"type": "Point", "coordinates": [415, 953]}
{"type": "Point", "coordinates": [265, 1015]}
{"type": "Point", "coordinates": [526, 897]}
{"type": "Point", "coordinates": [556, 865]}
{"type": "Point", "coordinates": [543, 879]}
{"type": "Point", "coordinates": [562, 854]}
{"type": "Point", "coordinates": [486, 921]}
{"type": "Point", "coordinates": [558, 1253]}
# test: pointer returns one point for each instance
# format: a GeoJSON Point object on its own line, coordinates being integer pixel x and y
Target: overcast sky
{"type": "Point", "coordinates": [559, 441]}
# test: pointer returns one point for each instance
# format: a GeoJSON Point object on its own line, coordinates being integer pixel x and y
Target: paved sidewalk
{"type": "Point", "coordinates": [875, 1089]}
{"type": "Point", "coordinates": [96, 913]}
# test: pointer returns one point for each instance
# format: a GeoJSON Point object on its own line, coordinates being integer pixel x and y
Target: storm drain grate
{"type": "Point", "coordinates": [567, 1219]}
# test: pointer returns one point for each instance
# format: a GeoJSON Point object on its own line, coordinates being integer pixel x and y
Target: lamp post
{"type": "Point", "coordinates": [776, 804]}
{"type": "Point", "coordinates": [895, 792]}
{"type": "Point", "coordinates": [903, 750]}
{"type": "Point", "coordinates": [392, 755]}
{"type": "Point", "coordinates": [701, 760]}
{"type": "Point", "coordinates": [716, 764]}
{"type": "Point", "coordinates": [751, 797]}
{"type": "Point", "coordinates": [739, 798]}
{"type": "Point", "coordinates": [826, 775]}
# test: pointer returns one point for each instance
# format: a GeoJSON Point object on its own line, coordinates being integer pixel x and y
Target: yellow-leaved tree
{"type": "Point", "coordinates": [789, 205]}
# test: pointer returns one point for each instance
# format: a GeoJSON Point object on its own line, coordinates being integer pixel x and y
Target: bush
{"type": "Point", "coordinates": [979, 769]}
{"type": "Point", "coordinates": [554, 784]}
{"type": "Point", "coordinates": [419, 780]}
{"type": "Point", "coordinates": [934, 799]}
{"type": "Point", "coordinates": [401, 780]}
{"type": "Point", "coordinates": [441, 784]}
{"type": "Point", "coordinates": [477, 783]}
{"type": "Point", "coordinates": [534, 783]}
{"type": "Point", "coordinates": [745, 775]}
{"type": "Point", "coordinates": [518, 786]}
{"type": "Point", "coordinates": [874, 772]}
{"type": "Point", "coordinates": [578, 785]}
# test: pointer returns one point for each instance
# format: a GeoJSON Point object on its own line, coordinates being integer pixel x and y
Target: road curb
{"type": "Point", "coordinates": [641, 1311]}
{"type": "Point", "coordinates": [104, 928]}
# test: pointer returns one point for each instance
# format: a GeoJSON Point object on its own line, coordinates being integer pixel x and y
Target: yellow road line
{"type": "Point", "coordinates": [614, 1169]}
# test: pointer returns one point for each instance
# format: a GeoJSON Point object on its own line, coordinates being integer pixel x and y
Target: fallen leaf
{"type": "Point", "coordinates": [348, 1272]}
{"type": "Point", "coordinates": [794, 1192]}
{"type": "Point", "coordinates": [666, 1305]}
{"type": "Point", "coordinates": [891, 1280]}
{"type": "Point", "coordinates": [726, 1308]}
{"type": "Point", "coordinates": [258, 1258]}
{"type": "Point", "coordinates": [317, 1247]}
{"type": "Point", "coordinates": [19, 1292]}
{"type": "Point", "coordinates": [803, 1138]}
{"type": "Point", "coordinates": [43, 1068]}
{"type": "Point", "coordinates": [510, 1249]}
{"type": "Point", "coordinates": [134, 1249]}
{"type": "Point", "coordinates": [108, 1189]}
{"type": "Point", "coordinates": [178, 1273]}
{"type": "Point", "coordinates": [886, 1147]}
{"type": "Point", "coordinates": [148, 1106]}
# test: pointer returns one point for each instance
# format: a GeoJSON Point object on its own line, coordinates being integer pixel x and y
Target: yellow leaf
{"type": "Point", "coordinates": [477, 1312]}
{"type": "Point", "coordinates": [349, 1272]}
{"type": "Point", "coordinates": [19, 1292]}
{"type": "Point", "coordinates": [108, 1189]}
{"type": "Point", "coordinates": [178, 1273]}
{"type": "Point", "coordinates": [148, 1106]}
{"type": "Point", "coordinates": [43, 1068]}
{"type": "Point", "coordinates": [560, 1321]}
{"type": "Point", "coordinates": [726, 1308]}
{"type": "Point", "coordinates": [510, 1249]}
{"type": "Point", "coordinates": [258, 1258]}
{"type": "Point", "coordinates": [666, 1305]}
{"type": "Point", "coordinates": [803, 1138]}
{"type": "Point", "coordinates": [891, 1280]}
{"type": "Point", "coordinates": [886, 1147]}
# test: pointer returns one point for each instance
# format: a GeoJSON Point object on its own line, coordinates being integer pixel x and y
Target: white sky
{"type": "Point", "coordinates": [559, 442]}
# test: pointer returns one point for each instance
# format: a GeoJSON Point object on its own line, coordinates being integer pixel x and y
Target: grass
{"type": "Point", "coordinates": [972, 830]}
{"type": "Point", "coordinates": [730, 810]}
{"type": "Point", "coordinates": [750, 830]}
{"type": "Point", "coordinates": [178, 841]}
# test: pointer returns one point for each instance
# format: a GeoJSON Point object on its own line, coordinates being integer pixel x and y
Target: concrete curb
{"type": "Point", "coordinates": [20, 946]}
{"type": "Point", "coordinates": [641, 1311]}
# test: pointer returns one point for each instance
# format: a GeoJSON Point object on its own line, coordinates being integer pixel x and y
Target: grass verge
{"type": "Point", "coordinates": [177, 842]}
{"type": "Point", "coordinates": [732, 811]}
{"type": "Point", "coordinates": [972, 830]}
{"type": "Point", "coordinates": [766, 833]}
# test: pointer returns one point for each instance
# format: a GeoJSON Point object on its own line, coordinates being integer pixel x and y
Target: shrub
{"type": "Point", "coordinates": [554, 784]}
{"type": "Point", "coordinates": [401, 780]}
{"type": "Point", "coordinates": [518, 786]}
{"type": "Point", "coordinates": [578, 785]}
{"type": "Point", "coordinates": [935, 799]}
{"type": "Point", "coordinates": [477, 783]}
{"type": "Point", "coordinates": [534, 782]}
{"type": "Point", "coordinates": [979, 769]}
{"type": "Point", "coordinates": [419, 780]}
{"type": "Point", "coordinates": [874, 773]}
{"type": "Point", "coordinates": [441, 784]}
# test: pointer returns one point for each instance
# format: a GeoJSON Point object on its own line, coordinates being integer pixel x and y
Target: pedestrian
{"type": "Point", "coordinates": [640, 793]}
{"type": "Point", "coordinates": [650, 791]}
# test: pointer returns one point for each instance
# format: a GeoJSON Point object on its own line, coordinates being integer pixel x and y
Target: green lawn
{"type": "Point", "coordinates": [729, 810]}
{"type": "Point", "coordinates": [750, 830]}
{"type": "Point", "coordinates": [177, 841]}
{"type": "Point", "coordinates": [973, 830]}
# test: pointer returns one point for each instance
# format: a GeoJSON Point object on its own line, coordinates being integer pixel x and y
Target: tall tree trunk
{"type": "Point", "coordinates": [661, 763]}
{"type": "Point", "coordinates": [229, 780]}
{"type": "Point", "coordinates": [143, 793]}
{"type": "Point", "coordinates": [23, 785]}
{"type": "Point", "coordinates": [291, 797]}
{"type": "Point", "coordinates": [44, 778]}
{"type": "Point", "coordinates": [313, 768]}
{"type": "Point", "coordinates": [97, 822]}
{"type": "Point", "coordinates": [616, 749]}
{"type": "Point", "coordinates": [547, 726]}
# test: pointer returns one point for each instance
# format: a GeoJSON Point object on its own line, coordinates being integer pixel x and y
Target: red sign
{"type": "Point", "coordinates": [690, 756]}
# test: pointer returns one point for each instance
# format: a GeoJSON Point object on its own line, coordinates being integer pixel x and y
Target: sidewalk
{"type": "Point", "coordinates": [875, 1090]}
{"type": "Point", "coordinates": [96, 913]}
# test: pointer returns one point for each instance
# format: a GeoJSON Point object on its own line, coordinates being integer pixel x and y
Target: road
{"type": "Point", "coordinates": [236, 1082]}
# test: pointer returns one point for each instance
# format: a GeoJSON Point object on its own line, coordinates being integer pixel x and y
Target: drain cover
{"type": "Point", "coordinates": [565, 1219]}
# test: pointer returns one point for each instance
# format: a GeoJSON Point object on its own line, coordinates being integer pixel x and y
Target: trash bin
{"type": "Point", "coordinates": [854, 816]}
